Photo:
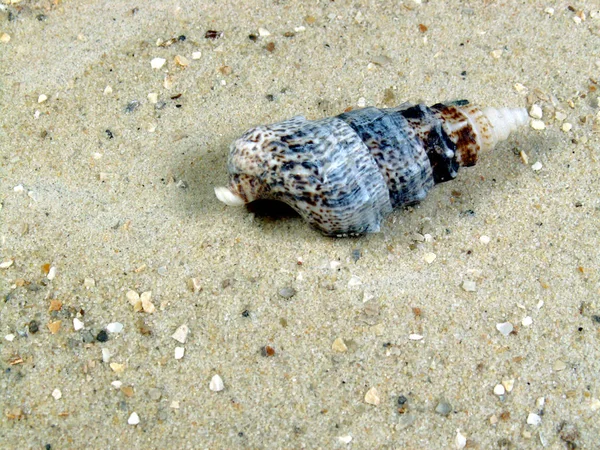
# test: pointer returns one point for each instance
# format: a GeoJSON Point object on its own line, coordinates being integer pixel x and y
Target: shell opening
{"type": "Point", "coordinates": [225, 195]}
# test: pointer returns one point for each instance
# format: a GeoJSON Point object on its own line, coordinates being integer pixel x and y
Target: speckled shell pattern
{"type": "Point", "coordinates": [344, 174]}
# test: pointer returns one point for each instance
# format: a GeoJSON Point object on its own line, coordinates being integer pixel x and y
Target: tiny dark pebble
{"type": "Point", "coordinates": [402, 400]}
{"type": "Point", "coordinates": [463, 74]}
{"type": "Point", "coordinates": [178, 106]}
{"type": "Point", "coordinates": [596, 318]}
{"type": "Point", "coordinates": [213, 34]}
{"type": "Point", "coordinates": [109, 133]}
{"type": "Point", "coordinates": [132, 106]}
{"type": "Point", "coordinates": [270, 47]}
{"type": "Point", "coordinates": [253, 37]}
{"type": "Point", "coordinates": [10, 16]}
{"type": "Point", "coordinates": [102, 336]}
{"type": "Point", "coordinates": [289, 34]}
{"type": "Point", "coordinates": [468, 212]}
{"type": "Point", "coordinates": [356, 254]}
{"type": "Point", "coordinates": [287, 292]}
{"type": "Point", "coordinates": [41, 17]}
{"type": "Point", "coordinates": [270, 97]}
{"type": "Point", "coordinates": [181, 38]}
{"type": "Point", "coordinates": [33, 326]}
{"type": "Point", "coordinates": [578, 204]}
{"type": "Point", "coordinates": [226, 283]}
{"type": "Point", "coordinates": [48, 447]}
{"type": "Point", "coordinates": [267, 350]}
{"type": "Point", "coordinates": [174, 97]}
{"type": "Point", "coordinates": [241, 434]}
{"type": "Point", "coordinates": [245, 313]}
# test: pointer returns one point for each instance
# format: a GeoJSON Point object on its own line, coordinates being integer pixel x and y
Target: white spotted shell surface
{"type": "Point", "coordinates": [344, 174]}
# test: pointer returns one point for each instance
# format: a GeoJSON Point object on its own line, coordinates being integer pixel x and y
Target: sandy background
{"type": "Point", "coordinates": [102, 212]}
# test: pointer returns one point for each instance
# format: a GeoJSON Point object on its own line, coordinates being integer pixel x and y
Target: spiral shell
{"type": "Point", "coordinates": [344, 174]}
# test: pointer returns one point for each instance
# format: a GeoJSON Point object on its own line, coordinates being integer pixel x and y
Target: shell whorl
{"type": "Point", "coordinates": [344, 174]}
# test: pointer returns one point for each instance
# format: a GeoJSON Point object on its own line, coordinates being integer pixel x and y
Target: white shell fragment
{"type": "Point", "coordinates": [460, 441]}
{"type": "Point", "coordinates": [181, 334]}
{"type": "Point", "coordinates": [345, 174]}
{"type": "Point", "coordinates": [57, 394]}
{"type": "Point", "coordinates": [114, 327]}
{"type": "Point", "coordinates": [372, 397]}
{"type": "Point", "coordinates": [499, 390]}
{"type": "Point", "coordinates": [179, 352]}
{"type": "Point", "coordinates": [534, 419]}
{"type": "Point", "coordinates": [77, 324]}
{"type": "Point", "coordinates": [216, 384]}
{"type": "Point", "coordinates": [134, 419]}
{"type": "Point", "coordinates": [505, 328]}
{"type": "Point", "coordinates": [157, 63]}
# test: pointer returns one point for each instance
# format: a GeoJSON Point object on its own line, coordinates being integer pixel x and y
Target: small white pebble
{"type": "Point", "coordinates": [537, 124]}
{"type": "Point", "coordinates": [263, 32]}
{"type": "Point", "coordinates": [51, 273]}
{"type": "Point", "coordinates": [540, 402]}
{"type": "Point", "coordinates": [535, 111]}
{"type": "Point", "coordinates": [5, 38]}
{"type": "Point", "coordinates": [496, 54]}
{"type": "Point", "coordinates": [429, 257]}
{"type": "Point", "coordinates": [345, 439]}
{"type": "Point", "coordinates": [179, 352]}
{"type": "Point", "coordinates": [334, 264]}
{"type": "Point", "coordinates": [499, 390]}
{"type": "Point", "coordinates": [362, 102]}
{"type": "Point", "coordinates": [540, 304]}
{"type": "Point", "coordinates": [114, 327]}
{"type": "Point", "coordinates": [10, 337]}
{"type": "Point", "coordinates": [300, 29]}
{"type": "Point", "coordinates": [196, 55]}
{"type": "Point", "coordinates": [372, 397]}
{"type": "Point", "coordinates": [519, 87]}
{"type": "Point", "coordinates": [460, 441]}
{"type": "Point", "coordinates": [56, 394]}
{"type": "Point", "coordinates": [36, 114]}
{"type": "Point", "coordinates": [77, 324]}
{"type": "Point", "coordinates": [469, 286]}
{"type": "Point", "coordinates": [339, 346]}
{"type": "Point", "coordinates": [89, 283]}
{"type": "Point", "coordinates": [508, 384]}
{"type": "Point", "coordinates": [147, 304]}
{"type": "Point", "coordinates": [108, 90]}
{"type": "Point", "coordinates": [174, 404]}
{"type": "Point", "coordinates": [117, 384]}
{"type": "Point", "coordinates": [549, 11]}
{"type": "Point", "coordinates": [6, 263]}
{"type": "Point", "coordinates": [537, 166]}
{"type": "Point", "coordinates": [42, 98]}
{"type": "Point", "coordinates": [106, 355]}
{"type": "Point", "coordinates": [153, 97]}
{"type": "Point", "coordinates": [559, 115]}
{"type": "Point", "coordinates": [559, 365]}
{"type": "Point", "coordinates": [505, 328]}
{"type": "Point", "coordinates": [566, 127]}
{"type": "Point", "coordinates": [594, 404]}
{"type": "Point", "coordinates": [19, 188]}
{"type": "Point", "coordinates": [527, 321]}
{"type": "Point", "coordinates": [97, 155]}
{"type": "Point", "coordinates": [484, 239]}
{"type": "Point", "coordinates": [577, 19]}
{"type": "Point", "coordinates": [534, 419]}
{"type": "Point", "coordinates": [216, 384]}
{"type": "Point", "coordinates": [181, 334]}
{"type": "Point", "coordinates": [134, 419]}
{"type": "Point", "coordinates": [415, 337]}
{"type": "Point", "coordinates": [157, 63]}
{"type": "Point", "coordinates": [354, 281]}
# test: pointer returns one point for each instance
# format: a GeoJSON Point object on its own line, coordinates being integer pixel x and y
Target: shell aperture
{"type": "Point", "coordinates": [344, 174]}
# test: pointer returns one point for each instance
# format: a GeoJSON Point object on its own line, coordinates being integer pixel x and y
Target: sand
{"type": "Point", "coordinates": [105, 190]}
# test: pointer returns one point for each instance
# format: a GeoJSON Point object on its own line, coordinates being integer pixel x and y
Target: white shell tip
{"type": "Point", "coordinates": [225, 195]}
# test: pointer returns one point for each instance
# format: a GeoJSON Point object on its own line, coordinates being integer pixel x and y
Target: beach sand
{"type": "Point", "coordinates": [107, 193]}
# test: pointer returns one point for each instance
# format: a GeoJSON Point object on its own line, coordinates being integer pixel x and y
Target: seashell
{"type": "Point", "coordinates": [344, 174]}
